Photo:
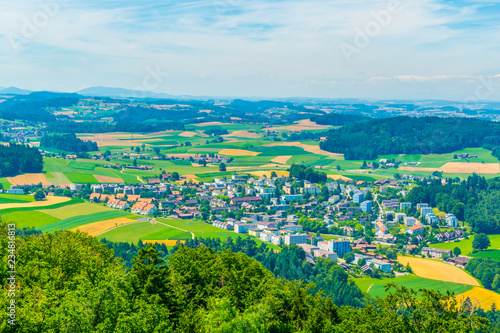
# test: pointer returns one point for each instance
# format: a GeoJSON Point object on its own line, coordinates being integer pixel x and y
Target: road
{"type": "Point", "coordinates": [138, 178]}
{"type": "Point", "coordinates": [192, 235]}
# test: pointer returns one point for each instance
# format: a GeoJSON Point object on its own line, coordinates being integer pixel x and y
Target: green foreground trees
{"type": "Point", "coordinates": [69, 282]}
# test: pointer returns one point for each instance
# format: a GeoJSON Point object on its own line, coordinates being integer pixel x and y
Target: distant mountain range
{"type": "Point", "coordinates": [120, 92]}
{"type": "Point", "coordinates": [15, 91]}
{"type": "Point", "coordinates": [111, 92]}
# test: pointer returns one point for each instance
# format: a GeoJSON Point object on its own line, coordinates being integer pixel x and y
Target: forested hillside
{"type": "Point", "coordinates": [474, 200]}
{"type": "Point", "coordinates": [70, 282]}
{"type": "Point", "coordinates": [15, 159]}
{"type": "Point", "coordinates": [67, 142]}
{"type": "Point", "coordinates": [405, 135]}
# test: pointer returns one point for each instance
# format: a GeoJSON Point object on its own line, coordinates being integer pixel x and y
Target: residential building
{"type": "Point", "coordinates": [310, 188]}
{"type": "Point", "coordinates": [431, 218]}
{"type": "Point", "coordinates": [340, 246]}
{"type": "Point", "coordinates": [255, 232]}
{"type": "Point", "coordinates": [434, 252]}
{"type": "Point", "coordinates": [366, 206]}
{"type": "Point", "coordinates": [381, 227]}
{"type": "Point", "coordinates": [451, 220]}
{"type": "Point", "coordinates": [291, 197]}
{"type": "Point", "coordinates": [404, 205]}
{"type": "Point", "coordinates": [277, 240]}
{"type": "Point", "coordinates": [266, 236]}
{"type": "Point", "coordinates": [384, 266]}
{"type": "Point", "coordinates": [399, 217]}
{"type": "Point", "coordinates": [334, 199]}
{"type": "Point", "coordinates": [416, 229]}
{"type": "Point", "coordinates": [425, 210]}
{"type": "Point", "coordinates": [358, 197]}
{"type": "Point", "coordinates": [390, 204]}
{"type": "Point", "coordinates": [296, 239]}
{"type": "Point", "coordinates": [409, 221]}
{"type": "Point", "coordinates": [242, 228]}
{"type": "Point", "coordinates": [15, 191]}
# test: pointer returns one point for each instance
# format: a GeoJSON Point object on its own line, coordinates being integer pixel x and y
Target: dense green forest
{"type": "Point", "coordinates": [475, 200]}
{"type": "Point", "coordinates": [16, 159]}
{"type": "Point", "coordinates": [70, 282]}
{"type": "Point", "coordinates": [290, 264]}
{"type": "Point", "coordinates": [406, 135]}
{"type": "Point", "coordinates": [302, 172]}
{"type": "Point", "coordinates": [105, 127]}
{"type": "Point", "coordinates": [486, 270]}
{"type": "Point", "coordinates": [67, 142]}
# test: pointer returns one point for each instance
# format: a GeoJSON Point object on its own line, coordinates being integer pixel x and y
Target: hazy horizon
{"type": "Point", "coordinates": [278, 49]}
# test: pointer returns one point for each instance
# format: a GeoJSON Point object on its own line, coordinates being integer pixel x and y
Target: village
{"type": "Point", "coordinates": [347, 222]}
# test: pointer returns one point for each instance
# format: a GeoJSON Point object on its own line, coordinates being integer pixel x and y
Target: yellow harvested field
{"type": "Point", "coordinates": [484, 298]}
{"type": "Point", "coordinates": [272, 165]}
{"type": "Point", "coordinates": [116, 139]}
{"type": "Point", "coordinates": [187, 178]}
{"type": "Point", "coordinates": [457, 167]}
{"type": "Point", "coordinates": [437, 270]}
{"type": "Point", "coordinates": [160, 133]}
{"type": "Point", "coordinates": [460, 167]}
{"type": "Point", "coordinates": [28, 179]}
{"type": "Point", "coordinates": [98, 228]}
{"type": "Point", "coordinates": [309, 148]}
{"type": "Point", "coordinates": [280, 173]}
{"type": "Point", "coordinates": [302, 125]}
{"type": "Point", "coordinates": [187, 134]}
{"type": "Point", "coordinates": [238, 152]}
{"type": "Point", "coordinates": [243, 134]}
{"type": "Point", "coordinates": [281, 159]}
{"type": "Point", "coordinates": [337, 177]}
{"type": "Point", "coordinates": [49, 200]}
{"type": "Point", "coordinates": [106, 179]}
{"type": "Point", "coordinates": [168, 242]}
{"type": "Point", "coordinates": [202, 134]}
{"type": "Point", "coordinates": [211, 123]}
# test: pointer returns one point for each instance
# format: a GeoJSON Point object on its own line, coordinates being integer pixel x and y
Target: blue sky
{"type": "Point", "coordinates": [408, 49]}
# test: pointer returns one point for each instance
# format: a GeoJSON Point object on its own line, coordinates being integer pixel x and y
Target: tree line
{"type": "Point", "coordinates": [72, 282]}
{"type": "Point", "coordinates": [302, 172]}
{"type": "Point", "coordinates": [67, 142]}
{"type": "Point", "coordinates": [104, 127]}
{"type": "Point", "coordinates": [406, 135]}
{"type": "Point", "coordinates": [18, 158]}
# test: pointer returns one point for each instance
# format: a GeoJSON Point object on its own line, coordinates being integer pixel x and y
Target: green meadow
{"type": "Point", "coordinates": [376, 287]}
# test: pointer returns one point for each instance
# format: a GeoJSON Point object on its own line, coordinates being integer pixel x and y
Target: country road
{"type": "Point", "coordinates": [192, 235]}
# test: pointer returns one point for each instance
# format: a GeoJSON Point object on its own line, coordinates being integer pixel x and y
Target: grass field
{"type": "Point", "coordinates": [29, 219]}
{"type": "Point", "coordinates": [437, 270]}
{"type": "Point", "coordinates": [169, 233]}
{"type": "Point", "coordinates": [465, 245]}
{"type": "Point", "coordinates": [77, 209]}
{"type": "Point", "coordinates": [375, 287]}
{"type": "Point", "coordinates": [132, 232]}
{"type": "Point", "coordinates": [49, 200]}
{"type": "Point", "coordinates": [75, 221]}
{"type": "Point", "coordinates": [205, 230]}
{"type": "Point", "coordinates": [15, 198]}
